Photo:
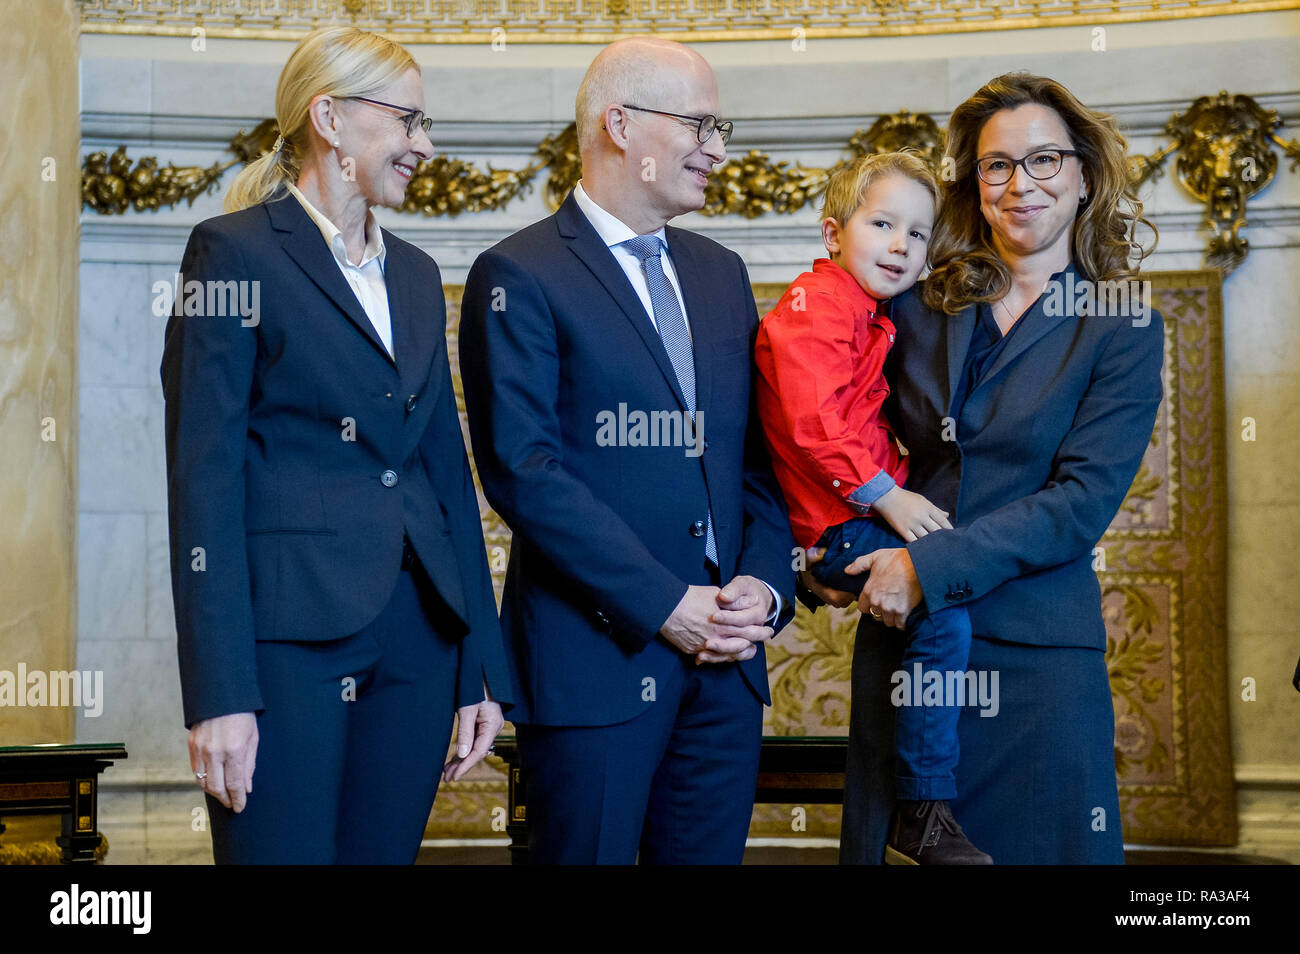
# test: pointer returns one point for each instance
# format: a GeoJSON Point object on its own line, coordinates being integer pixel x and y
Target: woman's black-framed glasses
{"type": "Point", "coordinates": [1043, 164]}
{"type": "Point", "coordinates": [413, 117]}
{"type": "Point", "coordinates": [705, 126]}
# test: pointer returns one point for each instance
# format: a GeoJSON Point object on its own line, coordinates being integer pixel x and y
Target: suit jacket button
{"type": "Point", "coordinates": [410, 404]}
{"type": "Point", "coordinates": [697, 528]}
{"type": "Point", "coordinates": [388, 478]}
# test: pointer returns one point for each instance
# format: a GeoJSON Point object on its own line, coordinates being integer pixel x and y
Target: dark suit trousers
{"type": "Point", "coordinates": [351, 742]}
{"type": "Point", "coordinates": [675, 784]}
{"type": "Point", "coordinates": [1036, 783]}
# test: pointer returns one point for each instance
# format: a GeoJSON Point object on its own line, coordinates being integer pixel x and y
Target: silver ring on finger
{"type": "Point", "coordinates": [200, 775]}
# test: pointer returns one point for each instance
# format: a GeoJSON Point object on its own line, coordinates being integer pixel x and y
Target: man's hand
{"type": "Point", "coordinates": [744, 605]}
{"type": "Point", "coordinates": [690, 627]}
{"type": "Point", "coordinates": [224, 750]}
{"type": "Point", "coordinates": [837, 598]}
{"type": "Point", "coordinates": [892, 590]}
{"type": "Point", "coordinates": [476, 727]}
{"type": "Point", "coordinates": [910, 514]}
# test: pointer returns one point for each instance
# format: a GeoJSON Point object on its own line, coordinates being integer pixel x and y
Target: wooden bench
{"type": "Point", "coordinates": [790, 769]}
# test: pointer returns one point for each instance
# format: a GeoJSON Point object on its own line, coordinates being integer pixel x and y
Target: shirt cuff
{"type": "Point", "coordinates": [875, 488]}
{"type": "Point", "coordinates": [773, 616]}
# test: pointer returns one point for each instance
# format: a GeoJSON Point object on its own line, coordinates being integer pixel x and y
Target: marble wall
{"type": "Point", "coordinates": [40, 194]}
{"type": "Point", "coordinates": [156, 96]}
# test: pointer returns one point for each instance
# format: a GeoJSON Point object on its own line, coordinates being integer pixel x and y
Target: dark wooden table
{"type": "Point", "coordinates": [790, 769]}
{"type": "Point", "coordinates": [58, 780]}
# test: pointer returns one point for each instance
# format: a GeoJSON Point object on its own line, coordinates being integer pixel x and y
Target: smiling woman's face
{"type": "Point", "coordinates": [1030, 217]}
{"type": "Point", "coordinates": [376, 137]}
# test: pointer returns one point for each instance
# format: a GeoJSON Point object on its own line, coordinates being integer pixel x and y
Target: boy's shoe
{"type": "Point", "coordinates": [925, 833]}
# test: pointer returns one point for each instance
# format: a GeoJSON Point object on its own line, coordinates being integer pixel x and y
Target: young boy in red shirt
{"type": "Point", "coordinates": [820, 355]}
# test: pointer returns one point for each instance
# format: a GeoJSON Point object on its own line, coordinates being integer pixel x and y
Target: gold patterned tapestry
{"type": "Point", "coordinates": [1162, 570]}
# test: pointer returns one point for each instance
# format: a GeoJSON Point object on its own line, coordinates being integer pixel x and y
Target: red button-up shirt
{"type": "Point", "coordinates": [820, 355]}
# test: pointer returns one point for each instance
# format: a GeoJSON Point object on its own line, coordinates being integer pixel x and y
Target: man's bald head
{"type": "Point", "coordinates": [641, 71]}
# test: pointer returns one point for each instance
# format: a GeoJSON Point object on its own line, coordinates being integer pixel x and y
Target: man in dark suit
{"type": "Point", "coordinates": [332, 596]}
{"type": "Point", "coordinates": [607, 369]}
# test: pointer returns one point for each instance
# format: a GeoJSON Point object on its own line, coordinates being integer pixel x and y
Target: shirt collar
{"type": "Point", "coordinates": [824, 266]}
{"type": "Point", "coordinates": [334, 238]}
{"type": "Point", "coordinates": [611, 229]}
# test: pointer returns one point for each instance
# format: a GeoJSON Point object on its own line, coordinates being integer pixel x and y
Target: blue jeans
{"type": "Point", "coordinates": [926, 732]}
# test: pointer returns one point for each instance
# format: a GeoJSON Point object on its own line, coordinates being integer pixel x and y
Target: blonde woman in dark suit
{"type": "Point", "coordinates": [333, 603]}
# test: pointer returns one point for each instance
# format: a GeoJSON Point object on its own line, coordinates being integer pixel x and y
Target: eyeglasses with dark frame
{"type": "Point", "coordinates": [1040, 164]}
{"type": "Point", "coordinates": [413, 117]}
{"type": "Point", "coordinates": [705, 126]}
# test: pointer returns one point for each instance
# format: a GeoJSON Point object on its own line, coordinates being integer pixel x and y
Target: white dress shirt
{"type": "Point", "coordinates": [365, 278]}
{"type": "Point", "coordinates": [613, 231]}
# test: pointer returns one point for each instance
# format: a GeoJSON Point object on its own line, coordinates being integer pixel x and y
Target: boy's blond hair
{"type": "Point", "coordinates": [847, 187]}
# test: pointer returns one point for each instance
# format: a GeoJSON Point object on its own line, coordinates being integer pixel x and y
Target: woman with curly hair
{"type": "Point", "coordinates": [1025, 380]}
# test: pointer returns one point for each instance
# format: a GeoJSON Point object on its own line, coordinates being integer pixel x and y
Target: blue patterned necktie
{"type": "Point", "coordinates": [671, 325]}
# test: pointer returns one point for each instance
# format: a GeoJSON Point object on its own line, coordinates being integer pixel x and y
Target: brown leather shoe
{"type": "Point", "coordinates": [925, 833]}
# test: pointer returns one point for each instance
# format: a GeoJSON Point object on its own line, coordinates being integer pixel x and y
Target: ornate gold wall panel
{"type": "Point", "coordinates": [600, 21]}
{"type": "Point", "coordinates": [1163, 601]}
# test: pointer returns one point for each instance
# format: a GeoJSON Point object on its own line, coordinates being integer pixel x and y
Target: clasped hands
{"type": "Point", "coordinates": [718, 625]}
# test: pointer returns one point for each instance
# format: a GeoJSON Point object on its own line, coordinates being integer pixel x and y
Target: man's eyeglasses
{"type": "Point", "coordinates": [705, 126]}
{"type": "Point", "coordinates": [1043, 164]}
{"type": "Point", "coordinates": [413, 117]}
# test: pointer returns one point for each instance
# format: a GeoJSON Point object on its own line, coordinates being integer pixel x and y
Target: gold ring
{"type": "Point", "coordinates": [876, 614]}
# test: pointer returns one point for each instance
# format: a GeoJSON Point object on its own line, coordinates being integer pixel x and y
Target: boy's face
{"type": "Point", "coordinates": [883, 244]}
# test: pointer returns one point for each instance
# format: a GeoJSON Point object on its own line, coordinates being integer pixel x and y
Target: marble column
{"type": "Point", "coordinates": [40, 201]}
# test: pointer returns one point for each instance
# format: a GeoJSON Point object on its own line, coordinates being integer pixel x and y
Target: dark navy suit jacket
{"type": "Point", "coordinates": [300, 529]}
{"type": "Point", "coordinates": [1050, 440]}
{"type": "Point", "coordinates": [606, 539]}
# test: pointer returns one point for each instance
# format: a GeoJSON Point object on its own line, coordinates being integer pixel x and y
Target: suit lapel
{"type": "Point", "coordinates": [307, 248]}
{"type": "Point", "coordinates": [958, 329]}
{"type": "Point", "coordinates": [585, 243]}
{"type": "Point", "coordinates": [697, 312]}
{"type": "Point", "coordinates": [416, 335]}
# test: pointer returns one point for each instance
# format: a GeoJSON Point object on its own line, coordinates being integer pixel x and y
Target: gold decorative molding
{"type": "Point", "coordinates": [601, 21]}
{"type": "Point", "coordinates": [1224, 144]}
{"type": "Point", "coordinates": [750, 186]}
{"type": "Point", "coordinates": [448, 186]}
{"type": "Point", "coordinates": [111, 184]}
{"type": "Point", "coordinates": [1225, 156]}
{"type": "Point", "coordinates": [561, 154]}
{"type": "Point", "coordinates": [754, 185]}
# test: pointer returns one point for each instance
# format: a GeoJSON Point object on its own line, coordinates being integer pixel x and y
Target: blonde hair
{"type": "Point", "coordinates": [965, 266]}
{"type": "Point", "coordinates": [848, 185]}
{"type": "Point", "coordinates": [339, 62]}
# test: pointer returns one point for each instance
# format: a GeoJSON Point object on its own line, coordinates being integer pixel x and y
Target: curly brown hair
{"type": "Point", "coordinates": [965, 268]}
